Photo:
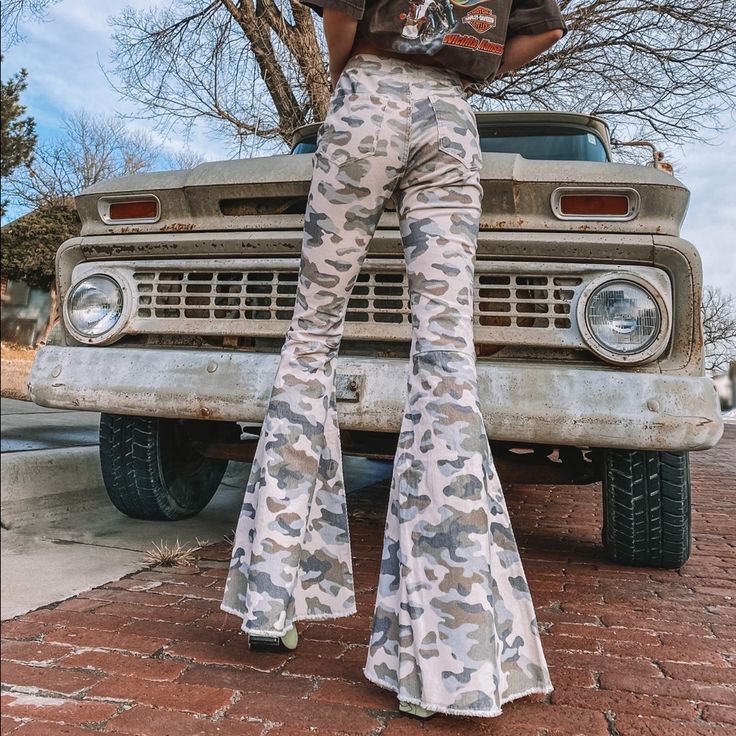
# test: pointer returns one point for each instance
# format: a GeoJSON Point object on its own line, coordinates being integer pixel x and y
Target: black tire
{"type": "Point", "coordinates": [152, 470]}
{"type": "Point", "coordinates": [646, 508]}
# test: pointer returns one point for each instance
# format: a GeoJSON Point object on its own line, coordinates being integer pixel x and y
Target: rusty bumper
{"type": "Point", "coordinates": [522, 401]}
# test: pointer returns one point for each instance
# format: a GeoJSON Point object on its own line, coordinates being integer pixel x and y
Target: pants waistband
{"type": "Point", "coordinates": [406, 66]}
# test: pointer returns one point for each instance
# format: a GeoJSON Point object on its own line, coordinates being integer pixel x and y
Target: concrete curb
{"type": "Point", "coordinates": [49, 483]}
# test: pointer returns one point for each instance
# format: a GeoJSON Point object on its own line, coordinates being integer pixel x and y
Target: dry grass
{"type": "Point", "coordinates": [203, 543]}
{"type": "Point", "coordinates": [175, 555]}
{"type": "Point", "coordinates": [15, 368]}
{"type": "Point", "coordinates": [9, 351]}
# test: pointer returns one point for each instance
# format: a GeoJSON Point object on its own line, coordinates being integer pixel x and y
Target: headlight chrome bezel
{"type": "Point", "coordinates": [651, 351]}
{"type": "Point", "coordinates": [109, 335]}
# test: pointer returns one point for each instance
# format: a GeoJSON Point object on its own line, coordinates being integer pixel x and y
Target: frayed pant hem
{"type": "Point", "coordinates": [448, 710]}
{"type": "Point", "coordinates": [273, 632]}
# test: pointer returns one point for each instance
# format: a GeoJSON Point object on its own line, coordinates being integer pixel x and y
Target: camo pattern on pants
{"type": "Point", "coordinates": [454, 628]}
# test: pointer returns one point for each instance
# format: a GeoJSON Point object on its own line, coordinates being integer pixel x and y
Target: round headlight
{"type": "Point", "coordinates": [623, 317]}
{"type": "Point", "coordinates": [94, 305]}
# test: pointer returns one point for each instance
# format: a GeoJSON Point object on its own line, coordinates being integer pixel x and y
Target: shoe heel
{"type": "Point", "coordinates": [286, 643]}
{"type": "Point", "coordinates": [264, 643]}
{"type": "Point", "coordinates": [415, 711]}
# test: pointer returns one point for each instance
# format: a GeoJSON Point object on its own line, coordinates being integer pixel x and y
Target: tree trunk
{"type": "Point", "coordinates": [53, 318]}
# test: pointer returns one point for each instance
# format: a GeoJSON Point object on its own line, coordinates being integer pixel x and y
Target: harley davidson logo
{"type": "Point", "coordinates": [480, 19]}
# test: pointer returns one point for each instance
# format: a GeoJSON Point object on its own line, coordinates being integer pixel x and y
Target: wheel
{"type": "Point", "coordinates": [152, 470]}
{"type": "Point", "coordinates": [646, 507]}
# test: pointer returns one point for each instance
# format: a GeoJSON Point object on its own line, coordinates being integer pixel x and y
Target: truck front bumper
{"type": "Point", "coordinates": [521, 401]}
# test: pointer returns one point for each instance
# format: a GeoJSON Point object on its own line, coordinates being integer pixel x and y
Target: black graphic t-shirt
{"type": "Point", "coordinates": [467, 36]}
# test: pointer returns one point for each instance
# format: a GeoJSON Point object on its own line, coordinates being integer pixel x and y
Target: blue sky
{"type": "Point", "coordinates": [63, 57]}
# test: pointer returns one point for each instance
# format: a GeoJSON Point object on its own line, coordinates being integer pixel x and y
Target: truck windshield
{"type": "Point", "coordinates": [545, 143]}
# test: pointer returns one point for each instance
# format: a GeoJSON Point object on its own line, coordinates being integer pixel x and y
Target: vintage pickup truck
{"type": "Point", "coordinates": [177, 294]}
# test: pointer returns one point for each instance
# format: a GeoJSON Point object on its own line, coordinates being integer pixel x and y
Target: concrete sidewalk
{"type": "Point", "coordinates": [49, 461]}
{"type": "Point", "coordinates": [28, 427]}
{"type": "Point", "coordinates": [61, 534]}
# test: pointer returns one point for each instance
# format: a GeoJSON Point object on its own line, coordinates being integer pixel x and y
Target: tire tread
{"type": "Point", "coordinates": [133, 474]}
{"type": "Point", "coordinates": [646, 507]}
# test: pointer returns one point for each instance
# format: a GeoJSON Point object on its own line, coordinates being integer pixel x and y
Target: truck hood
{"type": "Point", "coordinates": [270, 193]}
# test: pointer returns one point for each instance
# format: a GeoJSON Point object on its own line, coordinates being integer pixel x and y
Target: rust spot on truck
{"type": "Point", "coordinates": [178, 227]}
{"type": "Point", "coordinates": [516, 194]}
{"type": "Point", "coordinates": [518, 223]}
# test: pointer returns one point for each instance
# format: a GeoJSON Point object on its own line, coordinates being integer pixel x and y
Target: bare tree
{"type": "Point", "coordinates": [184, 158]}
{"type": "Point", "coordinates": [14, 12]}
{"type": "Point", "coordinates": [93, 148]}
{"type": "Point", "coordinates": [719, 329]}
{"type": "Point", "coordinates": [662, 69]}
{"type": "Point", "coordinates": [255, 70]}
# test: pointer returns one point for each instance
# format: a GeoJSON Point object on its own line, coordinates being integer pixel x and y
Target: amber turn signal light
{"type": "Point", "coordinates": [145, 209]}
{"type": "Point", "coordinates": [591, 205]}
{"type": "Point", "coordinates": [599, 203]}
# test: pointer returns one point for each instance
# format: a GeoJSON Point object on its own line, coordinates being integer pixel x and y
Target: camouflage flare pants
{"type": "Point", "coordinates": [454, 628]}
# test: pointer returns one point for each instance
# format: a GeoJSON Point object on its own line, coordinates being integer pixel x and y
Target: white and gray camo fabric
{"type": "Point", "coordinates": [454, 628]}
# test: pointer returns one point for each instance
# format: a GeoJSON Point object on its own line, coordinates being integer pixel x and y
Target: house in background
{"type": "Point", "coordinates": [24, 314]}
{"type": "Point", "coordinates": [724, 383]}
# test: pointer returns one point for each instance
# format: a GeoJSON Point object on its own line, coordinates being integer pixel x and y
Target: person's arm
{"type": "Point", "coordinates": [340, 35]}
{"type": "Point", "coordinates": [523, 48]}
{"type": "Point", "coordinates": [534, 26]}
{"type": "Point", "coordinates": [340, 21]}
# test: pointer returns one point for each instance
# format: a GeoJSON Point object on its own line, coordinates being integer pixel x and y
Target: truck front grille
{"type": "Point", "coordinates": [258, 299]}
{"type": "Point", "coordinates": [516, 303]}
{"type": "Point", "coordinates": [379, 297]}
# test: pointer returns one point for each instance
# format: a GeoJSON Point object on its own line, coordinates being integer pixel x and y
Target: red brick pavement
{"type": "Point", "coordinates": [632, 651]}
